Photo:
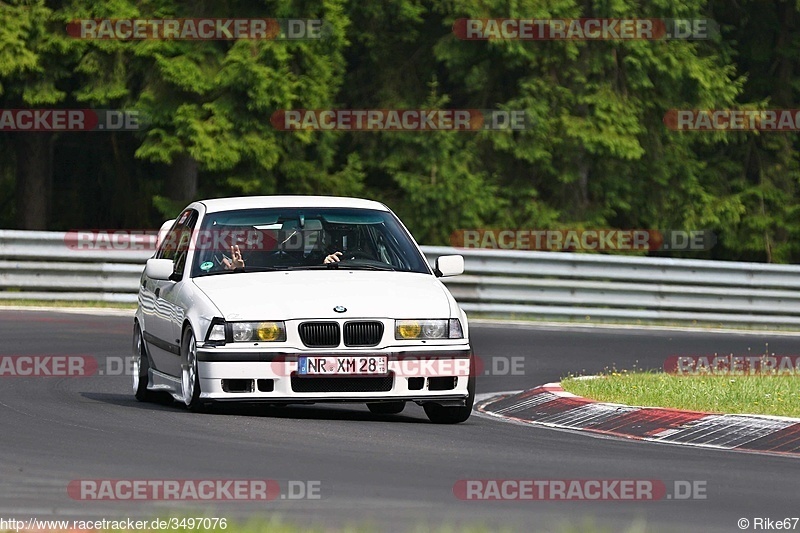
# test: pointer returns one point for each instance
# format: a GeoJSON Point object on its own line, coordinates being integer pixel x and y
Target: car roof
{"type": "Point", "coordinates": [252, 202]}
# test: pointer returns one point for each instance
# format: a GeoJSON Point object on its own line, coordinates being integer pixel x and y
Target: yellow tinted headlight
{"type": "Point", "coordinates": [407, 329]}
{"type": "Point", "coordinates": [270, 331]}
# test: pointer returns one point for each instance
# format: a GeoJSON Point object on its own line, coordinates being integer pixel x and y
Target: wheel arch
{"type": "Point", "coordinates": [187, 324]}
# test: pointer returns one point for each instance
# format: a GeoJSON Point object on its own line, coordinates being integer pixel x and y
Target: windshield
{"type": "Point", "coordinates": [301, 239]}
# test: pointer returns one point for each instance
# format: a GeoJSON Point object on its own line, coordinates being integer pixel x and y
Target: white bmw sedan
{"type": "Point", "coordinates": [300, 299]}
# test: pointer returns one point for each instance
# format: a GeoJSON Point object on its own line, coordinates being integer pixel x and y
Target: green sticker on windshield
{"type": "Point", "coordinates": [207, 265]}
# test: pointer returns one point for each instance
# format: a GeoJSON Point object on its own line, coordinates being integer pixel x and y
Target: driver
{"type": "Point", "coordinates": [332, 258]}
{"type": "Point", "coordinates": [352, 244]}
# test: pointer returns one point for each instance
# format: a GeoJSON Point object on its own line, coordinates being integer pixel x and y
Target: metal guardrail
{"type": "Point", "coordinates": [44, 266]}
{"type": "Point", "coordinates": [593, 287]}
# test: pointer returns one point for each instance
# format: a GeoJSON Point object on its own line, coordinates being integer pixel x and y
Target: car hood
{"type": "Point", "coordinates": [314, 293]}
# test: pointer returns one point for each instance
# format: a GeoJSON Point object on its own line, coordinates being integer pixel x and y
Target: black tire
{"type": "Point", "coordinates": [190, 380]}
{"type": "Point", "coordinates": [141, 365]}
{"type": "Point", "coordinates": [439, 414]}
{"type": "Point", "coordinates": [387, 408]}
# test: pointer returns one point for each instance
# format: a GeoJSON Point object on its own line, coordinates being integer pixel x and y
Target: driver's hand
{"type": "Point", "coordinates": [333, 258]}
{"type": "Point", "coordinates": [237, 261]}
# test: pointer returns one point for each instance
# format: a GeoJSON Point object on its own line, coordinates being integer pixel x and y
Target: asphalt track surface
{"type": "Point", "coordinates": [390, 472]}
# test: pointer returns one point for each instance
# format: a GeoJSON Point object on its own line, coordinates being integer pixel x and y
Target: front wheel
{"type": "Point", "coordinates": [439, 414]}
{"type": "Point", "coordinates": [190, 381]}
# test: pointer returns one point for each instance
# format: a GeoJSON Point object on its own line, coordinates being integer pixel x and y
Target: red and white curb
{"type": "Point", "coordinates": [551, 406]}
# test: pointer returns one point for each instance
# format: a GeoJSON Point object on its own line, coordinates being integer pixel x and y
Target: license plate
{"type": "Point", "coordinates": [341, 365]}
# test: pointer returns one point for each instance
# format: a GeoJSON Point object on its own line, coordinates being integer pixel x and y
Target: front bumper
{"type": "Point", "coordinates": [438, 374]}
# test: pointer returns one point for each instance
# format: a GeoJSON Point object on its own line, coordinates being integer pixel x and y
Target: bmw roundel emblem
{"type": "Point", "coordinates": [340, 309]}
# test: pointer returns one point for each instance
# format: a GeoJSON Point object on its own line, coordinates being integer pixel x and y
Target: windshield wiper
{"type": "Point", "coordinates": [350, 265]}
{"type": "Point", "coordinates": [246, 269]}
{"type": "Point", "coordinates": [263, 268]}
{"type": "Point", "coordinates": [218, 272]}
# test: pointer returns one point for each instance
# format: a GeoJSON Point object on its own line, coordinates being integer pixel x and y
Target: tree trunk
{"type": "Point", "coordinates": [182, 179]}
{"type": "Point", "coordinates": [782, 94]}
{"type": "Point", "coordinates": [34, 155]}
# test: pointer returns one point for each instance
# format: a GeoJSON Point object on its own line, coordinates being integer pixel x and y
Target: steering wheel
{"type": "Point", "coordinates": [357, 254]}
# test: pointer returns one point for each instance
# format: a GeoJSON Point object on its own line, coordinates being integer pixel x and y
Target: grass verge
{"type": "Point", "coordinates": [733, 394]}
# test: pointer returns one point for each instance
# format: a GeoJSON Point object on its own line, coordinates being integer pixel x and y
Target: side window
{"type": "Point", "coordinates": [184, 240]}
{"type": "Point", "coordinates": [170, 243]}
{"type": "Point", "coordinates": [177, 241]}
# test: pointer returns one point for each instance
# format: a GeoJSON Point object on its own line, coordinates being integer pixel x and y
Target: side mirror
{"type": "Point", "coordinates": [449, 265]}
{"type": "Point", "coordinates": [160, 269]}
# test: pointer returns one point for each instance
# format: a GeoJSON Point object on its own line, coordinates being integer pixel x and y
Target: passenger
{"type": "Point", "coordinates": [236, 261]}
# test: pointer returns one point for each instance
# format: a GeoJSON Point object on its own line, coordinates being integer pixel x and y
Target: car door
{"type": "Point", "coordinates": [162, 323]}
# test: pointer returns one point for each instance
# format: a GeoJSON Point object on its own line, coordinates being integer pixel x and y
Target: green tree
{"type": "Point", "coordinates": [761, 170]}
{"type": "Point", "coordinates": [34, 62]}
{"type": "Point", "coordinates": [598, 153]}
{"type": "Point", "coordinates": [209, 105]}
